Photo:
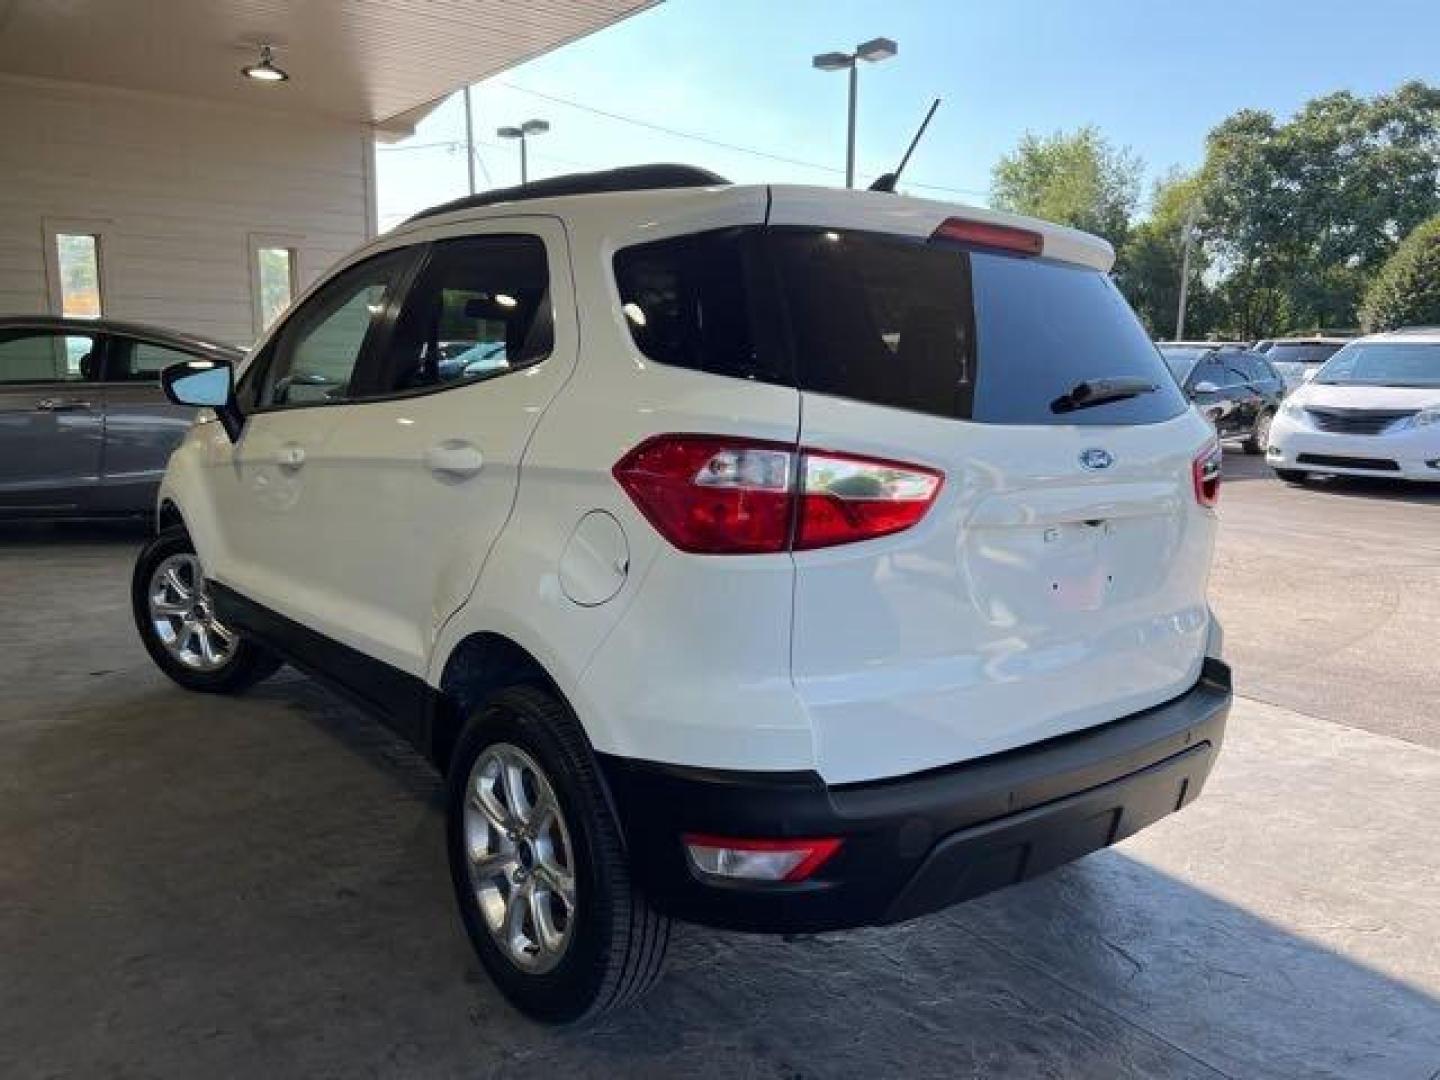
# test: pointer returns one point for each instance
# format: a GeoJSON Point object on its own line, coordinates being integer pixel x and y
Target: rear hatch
{"type": "Point", "coordinates": [1058, 580]}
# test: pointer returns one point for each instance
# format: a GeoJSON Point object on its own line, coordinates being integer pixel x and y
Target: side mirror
{"type": "Point", "coordinates": [1205, 388]}
{"type": "Point", "coordinates": [206, 384]}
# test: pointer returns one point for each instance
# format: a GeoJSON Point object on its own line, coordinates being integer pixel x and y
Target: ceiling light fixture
{"type": "Point", "coordinates": [265, 70]}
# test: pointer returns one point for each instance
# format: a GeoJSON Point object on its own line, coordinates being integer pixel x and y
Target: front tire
{"type": "Point", "coordinates": [171, 603]}
{"type": "Point", "coordinates": [540, 874]}
{"type": "Point", "coordinates": [1293, 476]}
{"type": "Point", "coordinates": [1255, 444]}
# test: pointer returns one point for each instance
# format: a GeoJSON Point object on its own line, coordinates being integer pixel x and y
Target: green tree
{"type": "Point", "coordinates": [1077, 179]}
{"type": "Point", "coordinates": [1406, 291]}
{"type": "Point", "coordinates": [1299, 215]}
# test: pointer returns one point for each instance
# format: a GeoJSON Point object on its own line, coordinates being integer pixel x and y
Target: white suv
{"type": "Point", "coordinates": [776, 558]}
{"type": "Point", "coordinates": [1372, 410]}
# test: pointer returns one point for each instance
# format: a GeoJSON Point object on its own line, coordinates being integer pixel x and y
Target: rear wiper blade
{"type": "Point", "coordinates": [1092, 392]}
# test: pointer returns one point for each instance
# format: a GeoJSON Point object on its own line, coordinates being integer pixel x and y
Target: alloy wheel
{"type": "Point", "coordinates": [183, 617]}
{"type": "Point", "coordinates": [521, 860]}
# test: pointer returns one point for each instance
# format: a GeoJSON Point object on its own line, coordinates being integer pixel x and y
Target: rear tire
{"type": "Point", "coordinates": [171, 605]}
{"type": "Point", "coordinates": [585, 940]}
{"type": "Point", "coordinates": [1293, 476]}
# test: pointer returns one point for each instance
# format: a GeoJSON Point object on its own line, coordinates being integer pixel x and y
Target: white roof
{"type": "Point", "coordinates": [660, 212]}
{"type": "Point", "coordinates": [1419, 335]}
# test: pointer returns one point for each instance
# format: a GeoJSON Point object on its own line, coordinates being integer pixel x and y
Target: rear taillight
{"type": "Point", "coordinates": [986, 235]}
{"type": "Point", "coordinates": [1205, 471]}
{"type": "Point", "coordinates": [845, 499]}
{"type": "Point", "coordinates": [715, 495]}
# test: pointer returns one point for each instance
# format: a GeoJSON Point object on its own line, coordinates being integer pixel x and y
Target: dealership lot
{"type": "Point", "coordinates": [250, 885]}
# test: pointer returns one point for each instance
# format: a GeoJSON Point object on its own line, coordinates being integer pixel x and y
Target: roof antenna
{"type": "Point", "coordinates": [887, 181]}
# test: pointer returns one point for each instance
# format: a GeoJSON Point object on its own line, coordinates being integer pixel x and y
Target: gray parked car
{"type": "Point", "coordinates": [85, 430]}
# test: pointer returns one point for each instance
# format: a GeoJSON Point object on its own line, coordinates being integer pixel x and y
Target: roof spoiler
{"type": "Point", "coordinates": [626, 178]}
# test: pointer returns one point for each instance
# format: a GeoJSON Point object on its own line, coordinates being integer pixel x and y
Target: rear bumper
{"type": "Point", "coordinates": [920, 843]}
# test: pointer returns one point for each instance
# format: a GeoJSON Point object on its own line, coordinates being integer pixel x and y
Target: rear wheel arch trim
{"type": "Point", "coordinates": [481, 664]}
{"type": "Point", "coordinates": [168, 516]}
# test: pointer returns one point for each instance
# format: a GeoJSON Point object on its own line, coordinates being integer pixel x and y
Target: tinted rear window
{"type": "Point", "coordinates": [691, 302]}
{"type": "Point", "coordinates": [1315, 353]}
{"type": "Point", "coordinates": [893, 321]}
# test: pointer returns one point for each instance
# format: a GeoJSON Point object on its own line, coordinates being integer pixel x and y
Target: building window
{"type": "Point", "coordinates": [274, 276]}
{"type": "Point", "coordinates": [276, 269]}
{"type": "Point", "coordinates": [77, 256]}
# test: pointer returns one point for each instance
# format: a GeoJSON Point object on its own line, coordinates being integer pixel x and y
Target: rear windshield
{"type": "Point", "coordinates": [1181, 359]}
{"type": "Point", "coordinates": [965, 334]}
{"type": "Point", "coordinates": [1302, 353]}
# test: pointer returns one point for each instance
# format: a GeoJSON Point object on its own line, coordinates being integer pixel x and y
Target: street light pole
{"type": "Point", "coordinates": [850, 127]}
{"type": "Point", "coordinates": [872, 51]}
{"type": "Point", "coordinates": [523, 133]}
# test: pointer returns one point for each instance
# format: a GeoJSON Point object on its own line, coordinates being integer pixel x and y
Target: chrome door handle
{"type": "Point", "coordinates": [454, 458]}
{"type": "Point", "coordinates": [290, 456]}
{"type": "Point", "coordinates": [51, 404]}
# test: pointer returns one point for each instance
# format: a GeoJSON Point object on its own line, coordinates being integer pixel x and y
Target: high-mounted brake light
{"type": "Point", "coordinates": [987, 235]}
{"type": "Point", "coordinates": [757, 860]}
{"type": "Point", "coordinates": [718, 495]}
{"type": "Point", "coordinates": [1205, 471]}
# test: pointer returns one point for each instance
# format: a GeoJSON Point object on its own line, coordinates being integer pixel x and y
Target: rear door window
{"type": "Point", "coordinates": [40, 356]}
{"type": "Point", "coordinates": [480, 307]}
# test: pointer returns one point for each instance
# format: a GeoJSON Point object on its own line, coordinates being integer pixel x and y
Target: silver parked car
{"type": "Point", "coordinates": [85, 430]}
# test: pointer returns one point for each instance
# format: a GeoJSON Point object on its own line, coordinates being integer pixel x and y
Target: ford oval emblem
{"type": "Point", "coordinates": [1096, 458]}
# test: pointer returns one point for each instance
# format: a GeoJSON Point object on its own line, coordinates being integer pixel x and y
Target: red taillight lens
{"type": "Point", "coordinates": [757, 860]}
{"type": "Point", "coordinates": [714, 495]}
{"type": "Point", "coordinates": [845, 499]}
{"type": "Point", "coordinates": [1205, 470]}
{"type": "Point", "coordinates": [984, 234]}
{"type": "Point", "coordinates": [711, 495]}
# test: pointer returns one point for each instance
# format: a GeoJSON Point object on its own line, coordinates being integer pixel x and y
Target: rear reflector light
{"type": "Point", "coordinates": [985, 234]}
{"type": "Point", "coordinates": [757, 860]}
{"type": "Point", "coordinates": [716, 495]}
{"type": "Point", "coordinates": [1205, 470]}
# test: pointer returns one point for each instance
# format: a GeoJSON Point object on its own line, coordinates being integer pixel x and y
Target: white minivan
{"type": "Point", "coordinates": [776, 558]}
{"type": "Point", "coordinates": [1373, 409]}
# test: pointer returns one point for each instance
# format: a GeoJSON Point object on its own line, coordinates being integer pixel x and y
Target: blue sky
{"type": "Point", "coordinates": [1153, 76]}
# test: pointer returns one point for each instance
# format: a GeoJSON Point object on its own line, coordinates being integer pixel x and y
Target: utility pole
{"type": "Point", "coordinates": [1187, 238]}
{"type": "Point", "coordinates": [469, 140]}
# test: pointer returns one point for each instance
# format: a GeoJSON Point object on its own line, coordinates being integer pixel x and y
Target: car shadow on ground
{"type": "Point", "coordinates": [236, 898]}
{"type": "Point", "coordinates": [1363, 487]}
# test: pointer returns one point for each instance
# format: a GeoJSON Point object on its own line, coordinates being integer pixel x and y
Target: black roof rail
{"type": "Point", "coordinates": [626, 178]}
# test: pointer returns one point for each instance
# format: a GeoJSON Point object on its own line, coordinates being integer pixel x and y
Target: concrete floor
{"type": "Point", "coordinates": [257, 886]}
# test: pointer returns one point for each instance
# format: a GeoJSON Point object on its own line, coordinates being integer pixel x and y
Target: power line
{"type": "Point", "coordinates": [663, 129]}
{"type": "Point", "coordinates": [713, 142]}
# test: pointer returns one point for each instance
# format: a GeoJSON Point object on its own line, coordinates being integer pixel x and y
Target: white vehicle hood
{"type": "Point", "coordinates": [1316, 395]}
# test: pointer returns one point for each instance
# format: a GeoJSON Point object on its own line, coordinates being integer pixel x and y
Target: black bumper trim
{"type": "Point", "coordinates": [921, 842]}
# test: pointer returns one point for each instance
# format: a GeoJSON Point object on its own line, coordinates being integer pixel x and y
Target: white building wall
{"type": "Point", "coordinates": [179, 191]}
